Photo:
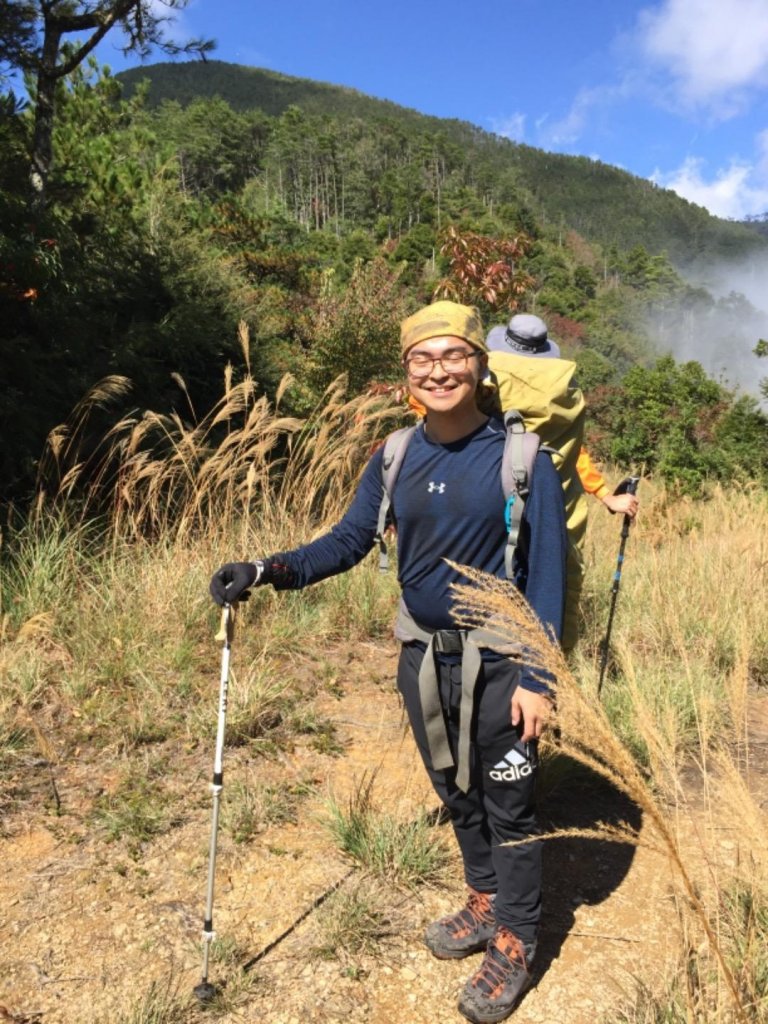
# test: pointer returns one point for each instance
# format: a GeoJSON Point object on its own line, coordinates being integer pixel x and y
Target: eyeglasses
{"type": "Point", "coordinates": [453, 361]}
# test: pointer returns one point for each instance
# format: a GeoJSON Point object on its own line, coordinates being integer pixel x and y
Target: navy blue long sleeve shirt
{"type": "Point", "coordinates": [448, 502]}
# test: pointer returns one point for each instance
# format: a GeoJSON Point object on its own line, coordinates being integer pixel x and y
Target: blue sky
{"type": "Point", "coordinates": [672, 90]}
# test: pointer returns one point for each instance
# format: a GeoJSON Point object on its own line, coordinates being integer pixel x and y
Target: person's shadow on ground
{"type": "Point", "coordinates": [577, 871]}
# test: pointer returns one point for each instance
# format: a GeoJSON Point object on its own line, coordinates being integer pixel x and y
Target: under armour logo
{"type": "Point", "coordinates": [435, 487]}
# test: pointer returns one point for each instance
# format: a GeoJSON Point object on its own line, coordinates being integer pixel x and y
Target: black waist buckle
{"type": "Point", "coordinates": [448, 641]}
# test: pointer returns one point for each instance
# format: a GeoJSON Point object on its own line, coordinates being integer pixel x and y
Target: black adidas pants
{"type": "Point", "coordinates": [500, 803]}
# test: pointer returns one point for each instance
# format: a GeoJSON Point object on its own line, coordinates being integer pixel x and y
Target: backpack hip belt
{"type": "Point", "coordinates": [468, 643]}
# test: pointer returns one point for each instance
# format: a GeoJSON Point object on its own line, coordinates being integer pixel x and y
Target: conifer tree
{"type": "Point", "coordinates": [48, 39]}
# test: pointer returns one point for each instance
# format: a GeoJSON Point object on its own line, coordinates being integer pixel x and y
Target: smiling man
{"type": "Point", "coordinates": [476, 714]}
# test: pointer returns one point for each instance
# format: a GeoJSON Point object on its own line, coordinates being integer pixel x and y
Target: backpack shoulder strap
{"type": "Point", "coordinates": [520, 450]}
{"type": "Point", "coordinates": [395, 448]}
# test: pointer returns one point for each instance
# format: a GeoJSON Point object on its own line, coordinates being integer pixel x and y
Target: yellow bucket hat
{"type": "Point", "coordinates": [443, 319]}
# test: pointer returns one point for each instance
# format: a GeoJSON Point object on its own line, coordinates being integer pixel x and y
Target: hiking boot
{"type": "Point", "coordinates": [465, 932]}
{"type": "Point", "coordinates": [491, 994]}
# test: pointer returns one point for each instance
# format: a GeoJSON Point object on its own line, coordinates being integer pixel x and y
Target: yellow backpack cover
{"type": "Point", "coordinates": [552, 405]}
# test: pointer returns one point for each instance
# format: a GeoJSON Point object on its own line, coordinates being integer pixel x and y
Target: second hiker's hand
{"type": "Point", "coordinates": [628, 504]}
{"type": "Point", "coordinates": [531, 710]}
{"type": "Point", "coordinates": [232, 582]}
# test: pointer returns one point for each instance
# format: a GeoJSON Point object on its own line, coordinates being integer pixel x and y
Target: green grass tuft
{"type": "Point", "coordinates": [410, 853]}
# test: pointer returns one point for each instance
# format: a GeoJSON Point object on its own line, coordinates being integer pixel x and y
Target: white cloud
{"type": "Point", "coordinates": [570, 128]}
{"type": "Point", "coordinates": [715, 52]}
{"type": "Point", "coordinates": [511, 127]}
{"type": "Point", "coordinates": [734, 191]}
{"type": "Point", "coordinates": [175, 22]}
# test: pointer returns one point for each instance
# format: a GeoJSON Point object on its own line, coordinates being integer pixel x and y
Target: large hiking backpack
{"type": "Point", "coordinates": [520, 450]}
{"type": "Point", "coordinates": [553, 406]}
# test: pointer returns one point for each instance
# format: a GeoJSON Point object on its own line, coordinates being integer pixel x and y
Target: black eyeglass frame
{"type": "Point", "coordinates": [434, 360]}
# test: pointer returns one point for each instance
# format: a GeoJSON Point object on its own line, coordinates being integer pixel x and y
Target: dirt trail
{"type": "Point", "coordinates": [87, 927]}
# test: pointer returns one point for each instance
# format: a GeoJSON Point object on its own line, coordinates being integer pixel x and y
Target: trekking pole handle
{"type": "Point", "coordinates": [630, 487]}
{"type": "Point", "coordinates": [226, 631]}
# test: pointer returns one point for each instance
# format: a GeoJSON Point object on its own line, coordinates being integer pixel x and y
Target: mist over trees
{"type": "Point", "coordinates": [166, 223]}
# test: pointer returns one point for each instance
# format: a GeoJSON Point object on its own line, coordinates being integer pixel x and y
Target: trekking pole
{"type": "Point", "coordinates": [205, 991]}
{"type": "Point", "coordinates": [628, 486]}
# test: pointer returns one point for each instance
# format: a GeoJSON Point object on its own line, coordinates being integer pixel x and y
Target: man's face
{"type": "Point", "coordinates": [443, 373]}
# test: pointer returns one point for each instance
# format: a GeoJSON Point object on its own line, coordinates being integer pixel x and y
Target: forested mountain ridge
{"type": "Point", "coordinates": [172, 233]}
{"type": "Point", "coordinates": [603, 203]}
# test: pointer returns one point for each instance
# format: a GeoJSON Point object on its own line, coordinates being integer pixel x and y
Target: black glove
{"type": "Point", "coordinates": [232, 581]}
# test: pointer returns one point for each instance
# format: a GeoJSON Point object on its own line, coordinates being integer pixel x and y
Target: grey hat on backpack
{"type": "Point", "coordinates": [524, 335]}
